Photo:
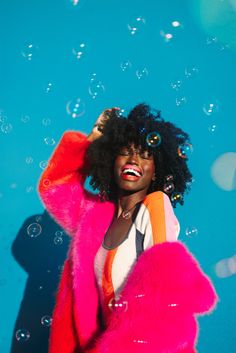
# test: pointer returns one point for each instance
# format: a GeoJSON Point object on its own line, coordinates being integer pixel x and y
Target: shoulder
{"type": "Point", "coordinates": [156, 197]}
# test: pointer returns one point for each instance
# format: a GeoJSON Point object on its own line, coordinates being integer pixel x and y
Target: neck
{"type": "Point", "coordinates": [128, 201]}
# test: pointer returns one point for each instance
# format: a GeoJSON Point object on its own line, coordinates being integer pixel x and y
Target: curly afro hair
{"type": "Point", "coordinates": [172, 174]}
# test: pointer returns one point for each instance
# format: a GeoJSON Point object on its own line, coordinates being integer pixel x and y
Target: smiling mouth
{"type": "Point", "coordinates": [129, 171]}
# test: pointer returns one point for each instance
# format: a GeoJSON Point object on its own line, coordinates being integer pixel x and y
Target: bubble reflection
{"type": "Point", "coordinates": [22, 335]}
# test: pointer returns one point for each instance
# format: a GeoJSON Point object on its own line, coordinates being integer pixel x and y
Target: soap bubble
{"type": "Point", "coordinates": [141, 73]}
{"type": "Point", "coordinates": [49, 141]}
{"type": "Point", "coordinates": [169, 177]}
{"type": "Point", "coordinates": [212, 40]}
{"type": "Point", "coordinates": [140, 341]}
{"type": "Point", "coordinates": [96, 87]}
{"type": "Point", "coordinates": [168, 187]}
{"type": "Point", "coordinates": [22, 335]}
{"type": "Point", "coordinates": [212, 128]}
{"type": "Point", "coordinates": [176, 197]}
{"type": "Point", "coordinates": [153, 139]}
{"type": "Point", "coordinates": [166, 36]}
{"type": "Point", "coordinates": [226, 267]}
{"type": "Point", "coordinates": [79, 50]}
{"type": "Point", "coordinates": [180, 101]}
{"type": "Point", "coordinates": [25, 119]}
{"type": "Point", "coordinates": [34, 230]}
{"type": "Point", "coordinates": [43, 164]}
{"type": "Point", "coordinates": [29, 189]}
{"type": "Point", "coordinates": [48, 87]}
{"type": "Point", "coordinates": [125, 65]}
{"type": "Point", "coordinates": [191, 72]}
{"type": "Point", "coordinates": [211, 108]}
{"type": "Point", "coordinates": [58, 240]}
{"type": "Point", "coordinates": [118, 305]}
{"type": "Point", "coordinates": [137, 25]}
{"type": "Point", "coordinates": [191, 232]}
{"type": "Point", "coordinates": [46, 121]}
{"type": "Point", "coordinates": [176, 85]}
{"type": "Point", "coordinates": [59, 233]}
{"type": "Point", "coordinates": [223, 171]}
{"type": "Point", "coordinates": [46, 321]}
{"type": "Point", "coordinates": [6, 128]}
{"type": "Point", "coordinates": [3, 118]}
{"type": "Point", "coordinates": [75, 108]}
{"type": "Point", "coordinates": [185, 150]}
{"type": "Point", "coordinates": [46, 182]}
{"type": "Point", "coordinates": [29, 51]}
{"type": "Point", "coordinates": [29, 160]}
{"type": "Point", "coordinates": [175, 24]}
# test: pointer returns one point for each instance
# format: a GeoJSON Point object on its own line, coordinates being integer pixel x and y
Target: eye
{"type": "Point", "coordinates": [145, 155]}
{"type": "Point", "coordinates": [124, 152]}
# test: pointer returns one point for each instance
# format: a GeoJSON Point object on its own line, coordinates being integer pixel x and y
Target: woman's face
{"type": "Point", "coordinates": [133, 169]}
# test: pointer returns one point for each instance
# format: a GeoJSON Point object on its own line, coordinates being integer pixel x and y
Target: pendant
{"type": "Point", "coordinates": [126, 214]}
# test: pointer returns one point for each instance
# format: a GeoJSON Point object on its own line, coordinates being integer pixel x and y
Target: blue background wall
{"type": "Point", "coordinates": [55, 54]}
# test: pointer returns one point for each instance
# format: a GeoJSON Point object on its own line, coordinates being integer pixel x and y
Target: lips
{"type": "Point", "coordinates": [130, 172]}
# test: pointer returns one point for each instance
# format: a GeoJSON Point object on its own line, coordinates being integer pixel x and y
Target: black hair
{"type": "Point", "coordinates": [171, 170]}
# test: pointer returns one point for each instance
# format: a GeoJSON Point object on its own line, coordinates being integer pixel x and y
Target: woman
{"type": "Point", "coordinates": [127, 284]}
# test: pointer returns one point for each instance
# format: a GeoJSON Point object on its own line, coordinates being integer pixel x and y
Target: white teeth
{"type": "Point", "coordinates": [129, 170]}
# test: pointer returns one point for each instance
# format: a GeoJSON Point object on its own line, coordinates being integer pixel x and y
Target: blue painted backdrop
{"type": "Point", "coordinates": [61, 63]}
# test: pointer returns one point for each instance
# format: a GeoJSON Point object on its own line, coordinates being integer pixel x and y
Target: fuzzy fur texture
{"type": "Point", "coordinates": [165, 290]}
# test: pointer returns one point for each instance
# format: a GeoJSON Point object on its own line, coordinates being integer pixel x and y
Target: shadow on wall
{"type": "Point", "coordinates": [40, 248]}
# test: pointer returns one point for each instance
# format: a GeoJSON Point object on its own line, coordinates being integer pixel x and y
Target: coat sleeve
{"type": "Point", "coordinates": [61, 184]}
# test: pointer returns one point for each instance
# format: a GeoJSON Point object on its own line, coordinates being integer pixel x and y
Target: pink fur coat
{"type": "Point", "coordinates": [164, 292]}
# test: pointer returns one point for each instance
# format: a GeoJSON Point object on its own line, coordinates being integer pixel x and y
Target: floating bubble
{"type": "Point", "coordinates": [211, 40]}
{"type": "Point", "coordinates": [125, 65]}
{"type": "Point", "coordinates": [168, 187]}
{"type": "Point", "coordinates": [29, 51]}
{"type": "Point", "coordinates": [49, 87]}
{"type": "Point", "coordinates": [46, 182]}
{"type": "Point", "coordinates": [58, 240]}
{"type": "Point", "coordinates": [212, 128]}
{"type": "Point", "coordinates": [3, 118]}
{"type": "Point", "coordinates": [29, 189]}
{"type": "Point", "coordinates": [191, 72]}
{"type": "Point", "coordinates": [25, 119]}
{"type": "Point", "coordinates": [76, 3]}
{"type": "Point", "coordinates": [191, 232]}
{"type": "Point", "coordinates": [38, 218]}
{"type": "Point", "coordinates": [176, 85]}
{"type": "Point", "coordinates": [75, 108]}
{"type": "Point", "coordinates": [226, 267]}
{"type": "Point", "coordinates": [153, 139]}
{"type": "Point", "coordinates": [169, 177]}
{"type": "Point", "coordinates": [46, 121]}
{"type": "Point", "coordinates": [43, 164]}
{"type": "Point", "coordinates": [46, 321]}
{"type": "Point", "coordinates": [34, 230]}
{"type": "Point", "coordinates": [6, 128]}
{"type": "Point", "coordinates": [29, 160]}
{"type": "Point", "coordinates": [185, 150]}
{"type": "Point", "coordinates": [166, 36]}
{"type": "Point", "coordinates": [22, 335]}
{"type": "Point", "coordinates": [13, 186]}
{"type": "Point", "coordinates": [121, 112]}
{"type": "Point", "coordinates": [96, 87]}
{"type": "Point", "coordinates": [211, 108]}
{"type": "Point", "coordinates": [49, 141]}
{"type": "Point", "coordinates": [140, 341]}
{"type": "Point", "coordinates": [175, 24]}
{"type": "Point", "coordinates": [137, 25]}
{"type": "Point", "coordinates": [180, 101]}
{"type": "Point", "coordinates": [79, 50]}
{"type": "Point", "coordinates": [118, 305]}
{"type": "Point", "coordinates": [59, 233]}
{"type": "Point", "coordinates": [176, 197]}
{"type": "Point", "coordinates": [141, 73]}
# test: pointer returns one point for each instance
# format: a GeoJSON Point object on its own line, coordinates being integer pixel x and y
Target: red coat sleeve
{"type": "Point", "coordinates": [61, 184]}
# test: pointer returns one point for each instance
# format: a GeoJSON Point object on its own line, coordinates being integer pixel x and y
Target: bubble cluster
{"type": "Point", "coordinates": [185, 150]}
{"type": "Point", "coordinates": [75, 108]}
{"type": "Point", "coordinates": [22, 335]}
{"type": "Point", "coordinates": [118, 305]}
{"type": "Point", "coordinates": [46, 321]}
{"type": "Point", "coordinates": [96, 87]}
{"type": "Point", "coordinates": [153, 139]}
{"type": "Point", "coordinates": [34, 230]}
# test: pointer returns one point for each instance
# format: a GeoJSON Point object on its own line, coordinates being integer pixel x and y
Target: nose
{"type": "Point", "coordinates": [133, 157]}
